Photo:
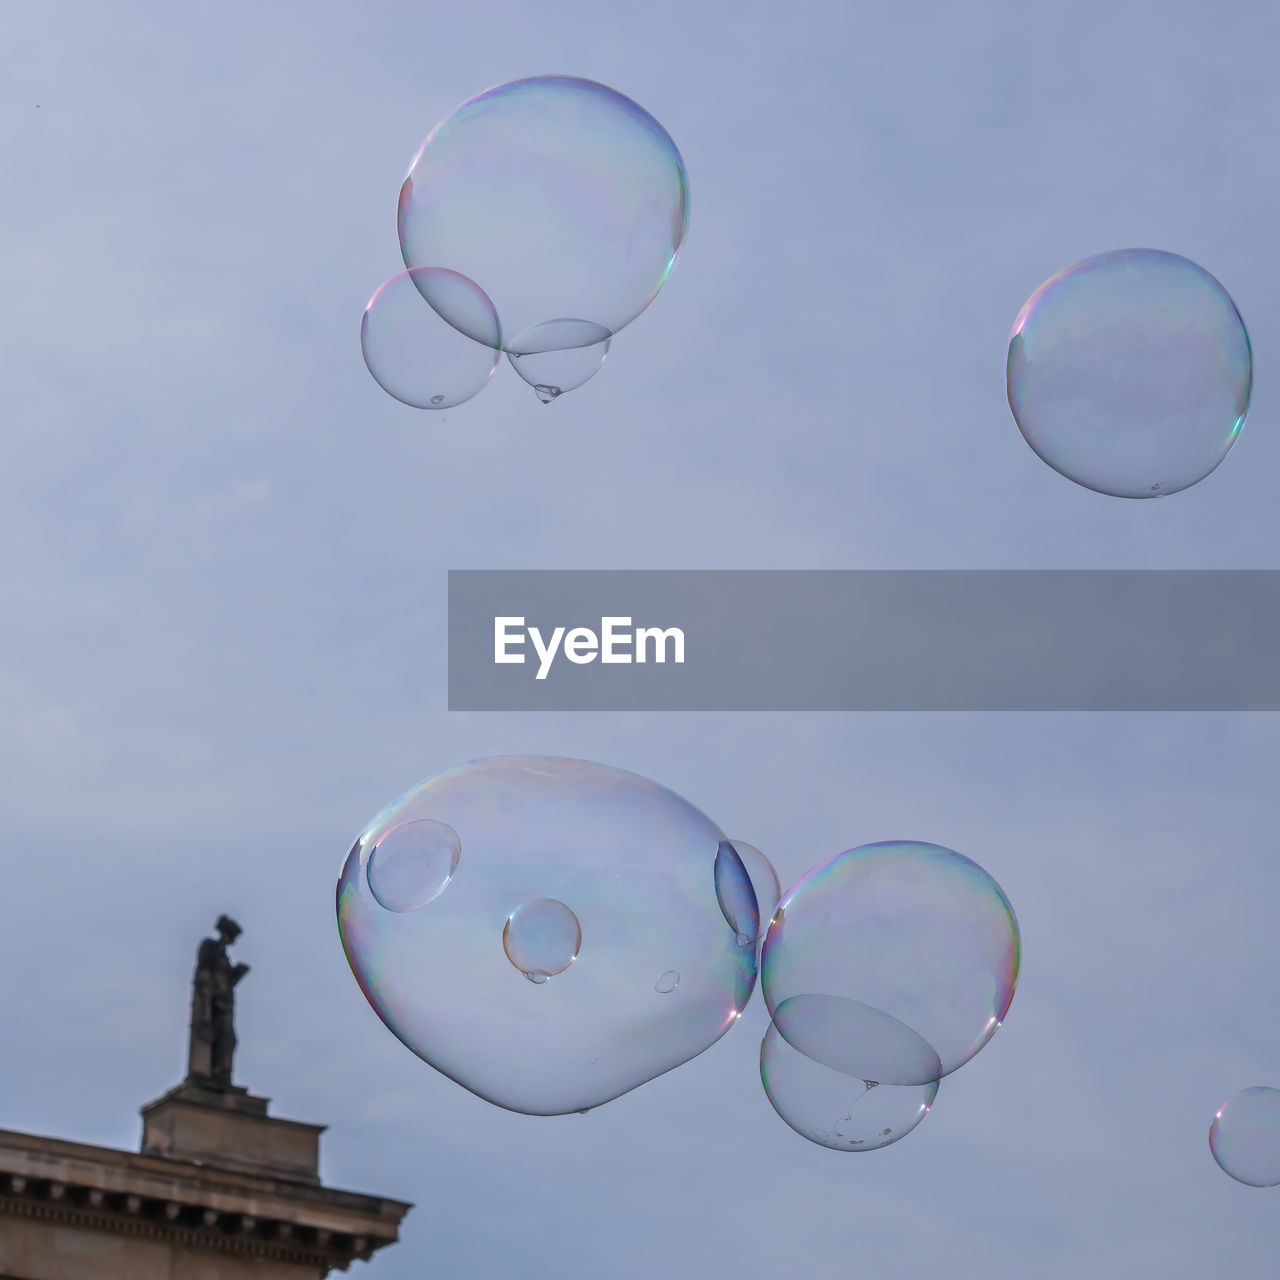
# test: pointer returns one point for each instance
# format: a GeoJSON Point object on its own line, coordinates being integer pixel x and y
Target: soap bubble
{"type": "Point", "coordinates": [667, 982]}
{"type": "Point", "coordinates": [736, 897]}
{"type": "Point", "coordinates": [1245, 1136]}
{"type": "Point", "coordinates": [919, 944]}
{"type": "Point", "coordinates": [835, 1110]}
{"type": "Point", "coordinates": [764, 881]}
{"type": "Point", "coordinates": [557, 195]}
{"type": "Point", "coordinates": [1130, 373]}
{"type": "Point", "coordinates": [418, 353]}
{"type": "Point", "coordinates": [542, 938]}
{"type": "Point", "coordinates": [411, 864]}
{"type": "Point", "coordinates": [558, 355]}
{"type": "Point", "coordinates": [635, 866]}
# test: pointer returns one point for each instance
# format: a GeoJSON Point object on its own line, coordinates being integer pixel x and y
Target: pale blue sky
{"type": "Point", "coordinates": [226, 558]}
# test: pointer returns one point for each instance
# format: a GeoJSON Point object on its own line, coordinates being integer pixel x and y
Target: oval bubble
{"type": "Point", "coordinates": [559, 196]}
{"type": "Point", "coordinates": [558, 355]}
{"type": "Point", "coordinates": [836, 1110]}
{"type": "Point", "coordinates": [856, 1040]}
{"type": "Point", "coordinates": [631, 859]}
{"type": "Point", "coordinates": [411, 864]}
{"type": "Point", "coordinates": [764, 880]}
{"type": "Point", "coordinates": [1130, 373]}
{"type": "Point", "coordinates": [542, 938]}
{"type": "Point", "coordinates": [1245, 1136]}
{"type": "Point", "coordinates": [736, 896]}
{"type": "Point", "coordinates": [415, 354]}
{"type": "Point", "coordinates": [667, 982]}
{"type": "Point", "coordinates": [916, 931]}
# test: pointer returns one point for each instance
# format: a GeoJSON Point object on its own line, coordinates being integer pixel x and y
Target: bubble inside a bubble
{"type": "Point", "coordinates": [1130, 373]}
{"type": "Point", "coordinates": [630, 860]}
{"type": "Point", "coordinates": [1245, 1136]}
{"type": "Point", "coordinates": [667, 982]}
{"type": "Point", "coordinates": [542, 938]}
{"type": "Point", "coordinates": [411, 864]}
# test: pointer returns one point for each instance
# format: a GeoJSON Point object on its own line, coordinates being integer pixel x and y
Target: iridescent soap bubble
{"type": "Point", "coordinates": [418, 353]}
{"type": "Point", "coordinates": [843, 1112]}
{"type": "Point", "coordinates": [1130, 373]}
{"type": "Point", "coordinates": [736, 896]}
{"type": "Point", "coordinates": [634, 864]}
{"type": "Point", "coordinates": [1245, 1136]}
{"type": "Point", "coordinates": [764, 881]}
{"type": "Point", "coordinates": [542, 938]}
{"type": "Point", "coordinates": [918, 944]}
{"type": "Point", "coordinates": [557, 195]}
{"type": "Point", "coordinates": [558, 356]}
{"type": "Point", "coordinates": [411, 864]}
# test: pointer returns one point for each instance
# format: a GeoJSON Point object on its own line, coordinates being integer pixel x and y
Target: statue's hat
{"type": "Point", "coordinates": [226, 924]}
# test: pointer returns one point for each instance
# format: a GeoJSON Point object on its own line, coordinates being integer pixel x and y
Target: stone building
{"type": "Point", "coordinates": [220, 1189]}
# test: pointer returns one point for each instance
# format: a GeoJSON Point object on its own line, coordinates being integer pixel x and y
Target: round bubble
{"type": "Point", "coordinates": [835, 1110]}
{"type": "Point", "coordinates": [1130, 373]}
{"type": "Point", "coordinates": [542, 938]}
{"type": "Point", "coordinates": [1245, 1136]}
{"type": "Point", "coordinates": [736, 896]}
{"type": "Point", "coordinates": [418, 354]}
{"type": "Point", "coordinates": [667, 982]}
{"type": "Point", "coordinates": [557, 195]}
{"type": "Point", "coordinates": [634, 864]}
{"type": "Point", "coordinates": [919, 944]}
{"type": "Point", "coordinates": [764, 881]}
{"type": "Point", "coordinates": [558, 356]}
{"type": "Point", "coordinates": [412, 864]}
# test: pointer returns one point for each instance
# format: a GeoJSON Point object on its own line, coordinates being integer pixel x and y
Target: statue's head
{"type": "Point", "coordinates": [228, 928]}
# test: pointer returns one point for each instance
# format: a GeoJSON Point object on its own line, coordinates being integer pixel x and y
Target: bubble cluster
{"type": "Point", "coordinates": [1130, 373]}
{"type": "Point", "coordinates": [563, 204]}
{"type": "Point", "coordinates": [1245, 1136]}
{"type": "Point", "coordinates": [548, 933]}
{"type": "Point", "coordinates": [890, 965]}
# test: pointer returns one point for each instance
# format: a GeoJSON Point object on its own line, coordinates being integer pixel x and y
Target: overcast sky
{"type": "Point", "coordinates": [225, 560]}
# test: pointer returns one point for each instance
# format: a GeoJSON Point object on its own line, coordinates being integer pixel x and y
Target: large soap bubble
{"type": "Point", "coordinates": [1130, 373]}
{"type": "Point", "coordinates": [1245, 1136]}
{"type": "Point", "coordinates": [576, 946]}
{"type": "Point", "coordinates": [836, 1110]}
{"type": "Point", "coordinates": [417, 350]}
{"type": "Point", "coordinates": [559, 196]}
{"type": "Point", "coordinates": [893, 962]}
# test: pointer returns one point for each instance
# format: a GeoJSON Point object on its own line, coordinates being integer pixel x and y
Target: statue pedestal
{"type": "Point", "coordinates": [229, 1128]}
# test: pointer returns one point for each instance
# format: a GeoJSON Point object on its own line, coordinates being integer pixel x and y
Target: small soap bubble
{"type": "Point", "coordinates": [1245, 1136]}
{"type": "Point", "coordinates": [901, 958]}
{"type": "Point", "coordinates": [557, 195]}
{"type": "Point", "coordinates": [411, 864]}
{"type": "Point", "coordinates": [630, 861]}
{"type": "Point", "coordinates": [418, 355]}
{"type": "Point", "coordinates": [1130, 373]}
{"type": "Point", "coordinates": [736, 896]}
{"type": "Point", "coordinates": [667, 982]}
{"type": "Point", "coordinates": [835, 1110]}
{"type": "Point", "coordinates": [559, 355]}
{"type": "Point", "coordinates": [764, 881]}
{"type": "Point", "coordinates": [542, 938]}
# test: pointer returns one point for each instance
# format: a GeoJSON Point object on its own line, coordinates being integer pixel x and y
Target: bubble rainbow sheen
{"type": "Point", "coordinates": [562, 199]}
{"type": "Point", "coordinates": [578, 947]}
{"type": "Point", "coordinates": [1245, 1136]}
{"type": "Point", "coordinates": [1130, 373]}
{"type": "Point", "coordinates": [894, 962]}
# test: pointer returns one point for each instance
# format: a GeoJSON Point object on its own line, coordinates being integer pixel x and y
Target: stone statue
{"type": "Point", "coordinates": [213, 1032]}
